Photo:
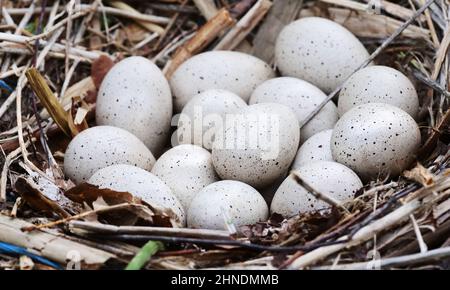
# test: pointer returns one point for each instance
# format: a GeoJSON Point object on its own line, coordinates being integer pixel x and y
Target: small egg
{"type": "Point", "coordinates": [135, 96]}
{"type": "Point", "coordinates": [237, 72]}
{"type": "Point", "coordinates": [375, 138]}
{"type": "Point", "coordinates": [204, 113]}
{"type": "Point", "coordinates": [319, 51]}
{"type": "Point", "coordinates": [102, 146]}
{"type": "Point", "coordinates": [140, 183]}
{"type": "Point", "coordinates": [226, 202]}
{"type": "Point", "coordinates": [186, 169]}
{"type": "Point", "coordinates": [316, 148]}
{"type": "Point", "coordinates": [329, 178]}
{"type": "Point", "coordinates": [379, 84]}
{"type": "Point", "coordinates": [258, 145]}
{"type": "Point", "coordinates": [302, 97]}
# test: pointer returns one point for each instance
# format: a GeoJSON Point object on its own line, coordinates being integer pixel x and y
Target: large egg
{"type": "Point", "coordinates": [204, 113]}
{"type": "Point", "coordinates": [329, 178]}
{"type": "Point", "coordinates": [102, 146]}
{"type": "Point", "coordinates": [316, 148]}
{"type": "Point", "coordinates": [140, 183]}
{"type": "Point", "coordinates": [258, 145]}
{"type": "Point", "coordinates": [319, 51]}
{"type": "Point", "coordinates": [226, 202]}
{"type": "Point", "coordinates": [302, 97]}
{"type": "Point", "coordinates": [379, 84]}
{"type": "Point", "coordinates": [186, 169]}
{"type": "Point", "coordinates": [237, 72]}
{"type": "Point", "coordinates": [375, 138]}
{"type": "Point", "coordinates": [135, 96]}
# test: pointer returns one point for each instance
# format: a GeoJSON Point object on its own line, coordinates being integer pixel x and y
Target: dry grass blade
{"type": "Point", "coordinates": [48, 100]}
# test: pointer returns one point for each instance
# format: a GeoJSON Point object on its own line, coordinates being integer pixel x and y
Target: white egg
{"type": "Point", "coordinates": [140, 183]}
{"type": "Point", "coordinates": [375, 138]}
{"type": "Point", "coordinates": [204, 113]}
{"type": "Point", "coordinates": [379, 84]}
{"type": "Point", "coordinates": [319, 51]}
{"type": "Point", "coordinates": [316, 148]}
{"type": "Point", "coordinates": [226, 202]}
{"type": "Point", "coordinates": [135, 96]}
{"type": "Point", "coordinates": [237, 72]}
{"type": "Point", "coordinates": [302, 97]}
{"type": "Point", "coordinates": [258, 146]}
{"type": "Point", "coordinates": [186, 169]}
{"type": "Point", "coordinates": [329, 178]}
{"type": "Point", "coordinates": [102, 146]}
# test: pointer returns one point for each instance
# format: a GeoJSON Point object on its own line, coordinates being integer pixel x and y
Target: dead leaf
{"type": "Point", "coordinates": [77, 116]}
{"type": "Point", "coordinates": [421, 175]}
{"type": "Point", "coordinates": [100, 68]}
{"type": "Point", "coordinates": [139, 209]}
{"type": "Point", "coordinates": [31, 193]}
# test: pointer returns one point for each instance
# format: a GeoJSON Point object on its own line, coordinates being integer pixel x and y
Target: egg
{"type": "Point", "coordinates": [237, 72]}
{"type": "Point", "coordinates": [375, 138]}
{"type": "Point", "coordinates": [329, 178]}
{"type": "Point", "coordinates": [258, 145]}
{"type": "Point", "coordinates": [379, 84]}
{"type": "Point", "coordinates": [226, 202]}
{"type": "Point", "coordinates": [302, 97]}
{"type": "Point", "coordinates": [102, 146]}
{"type": "Point", "coordinates": [140, 183]}
{"type": "Point", "coordinates": [186, 169]}
{"type": "Point", "coordinates": [204, 113]}
{"type": "Point", "coordinates": [135, 96]}
{"type": "Point", "coordinates": [319, 51]}
{"type": "Point", "coordinates": [316, 148]}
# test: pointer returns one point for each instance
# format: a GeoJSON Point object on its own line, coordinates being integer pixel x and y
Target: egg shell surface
{"type": "Point", "coordinates": [204, 113]}
{"type": "Point", "coordinates": [102, 146]}
{"type": "Point", "coordinates": [226, 200]}
{"type": "Point", "coordinates": [319, 51]}
{"type": "Point", "coordinates": [135, 96]}
{"type": "Point", "coordinates": [375, 138]}
{"type": "Point", "coordinates": [316, 148]}
{"type": "Point", "coordinates": [258, 146]}
{"type": "Point", "coordinates": [302, 97]}
{"type": "Point", "coordinates": [330, 178]}
{"type": "Point", "coordinates": [379, 84]}
{"type": "Point", "coordinates": [234, 71]}
{"type": "Point", "coordinates": [186, 169]}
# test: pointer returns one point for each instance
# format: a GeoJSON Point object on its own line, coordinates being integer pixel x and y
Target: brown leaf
{"type": "Point", "coordinates": [100, 68]}
{"type": "Point", "coordinates": [421, 175]}
{"type": "Point", "coordinates": [77, 116]}
{"type": "Point", "coordinates": [30, 192]}
{"type": "Point", "coordinates": [88, 193]}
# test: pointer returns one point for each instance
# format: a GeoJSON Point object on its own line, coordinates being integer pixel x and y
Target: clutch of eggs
{"type": "Point", "coordinates": [242, 133]}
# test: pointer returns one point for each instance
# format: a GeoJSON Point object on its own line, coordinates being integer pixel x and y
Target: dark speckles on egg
{"type": "Point", "coordinates": [377, 136]}
{"type": "Point", "coordinates": [226, 199]}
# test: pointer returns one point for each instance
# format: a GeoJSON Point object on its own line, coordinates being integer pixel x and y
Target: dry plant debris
{"type": "Point", "coordinates": [54, 55]}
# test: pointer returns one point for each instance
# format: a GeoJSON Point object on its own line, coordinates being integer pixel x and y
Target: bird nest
{"type": "Point", "coordinates": [401, 222]}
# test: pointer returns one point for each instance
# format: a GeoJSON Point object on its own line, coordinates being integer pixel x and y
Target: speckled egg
{"type": "Point", "coordinates": [302, 97]}
{"type": "Point", "coordinates": [135, 96]}
{"type": "Point", "coordinates": [319, 51]}
{"type": "Point", "coordinates": [141, 184]}
{"type": "Point", "coordinates": [375, 138]}
{"type": "Point", "coordinates": [258, 145]}
{"type": "Point", "coordinates": [102, 146]}
{"type": "Point", "coordinates": [316, 148]}
{"type": "Point", "coordinates": [379, 84]}
{"type": "Point", "coordinates": [186, 169]}
{"type": "Point", "coordinates": [226, 202]}
{"type": "Point", "coordinates": [237, 72]}
{"type": "Point", "coordinates": [204, 113]}
{"type": "Point", "coordinates": [330, 178]}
